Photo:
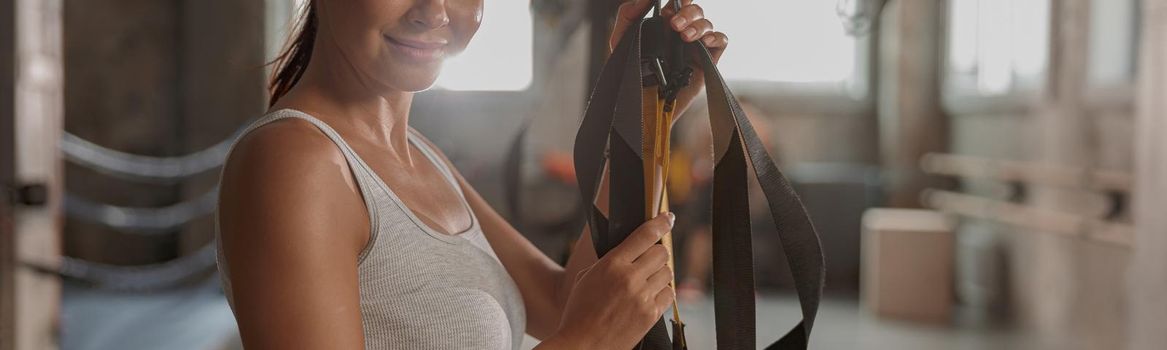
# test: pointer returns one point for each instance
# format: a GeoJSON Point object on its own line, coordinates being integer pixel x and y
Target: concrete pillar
{"type": "Point", "coordinates": [1147, 282]}
{"type": "Point", "coordinates": [1047, 261]}
{"type": "Point", "coordinates": [1063, 299]}
{"type": "Point", "coordinates": [911, 121]}
{"type": "Point", "coordinates": [31, 89]}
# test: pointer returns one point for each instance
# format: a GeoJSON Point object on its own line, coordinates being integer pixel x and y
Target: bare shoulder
{"type": "Point", "coordinates": [287, 182]}
{"type": "Point", "coordinates": [292, 224]}
{"type": "Point", "coordinates": [288, 144]}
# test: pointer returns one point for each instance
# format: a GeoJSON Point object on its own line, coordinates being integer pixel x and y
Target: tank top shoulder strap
{"type": "Point", "coordinates": [365, 177]}
{"type": "Point", "coordinates": [431, 154]}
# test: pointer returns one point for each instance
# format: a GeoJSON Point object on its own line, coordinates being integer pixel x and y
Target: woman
{"type": "Point", "coordinates": [342, 228]}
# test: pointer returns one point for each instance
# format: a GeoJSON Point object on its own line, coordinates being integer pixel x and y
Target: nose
{"type": "Point", "coordinates": [429, 14]}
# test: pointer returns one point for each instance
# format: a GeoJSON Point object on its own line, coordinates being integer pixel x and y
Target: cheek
{"type": "Point", "coordinates": [465, 18]}
{"type": "Point", "coordinates": [353, 27]}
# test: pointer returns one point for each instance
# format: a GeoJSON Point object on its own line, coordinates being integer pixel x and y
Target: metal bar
{"type": "Point", "coordinates": [1029, 172]}
{"type": "Point", "coordinates": [1029, 217]}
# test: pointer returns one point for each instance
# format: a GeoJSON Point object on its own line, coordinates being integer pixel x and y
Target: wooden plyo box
{"type": "Point", "coordinates": [908, 262]}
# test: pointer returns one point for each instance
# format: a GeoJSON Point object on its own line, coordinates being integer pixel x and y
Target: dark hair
{"type": "Point", "coordinates": [293, 61]}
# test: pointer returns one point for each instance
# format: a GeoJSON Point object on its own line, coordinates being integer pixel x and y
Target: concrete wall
{"type": "Point", "coordinates": [157, 78]}
{"type": "Point", "coordinates": [1147, 282]}
{"type": "Point", "coordinates": [1066, 289]}
{"type": "Point", "coordinates": [121, 92]}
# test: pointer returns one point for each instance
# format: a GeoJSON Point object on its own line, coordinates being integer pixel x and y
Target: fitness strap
{"type": "Point", "coordinates": [613, 131]}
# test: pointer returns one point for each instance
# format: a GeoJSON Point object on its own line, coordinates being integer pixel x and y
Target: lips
{"type": "Point", "coordinates": [418, 50]}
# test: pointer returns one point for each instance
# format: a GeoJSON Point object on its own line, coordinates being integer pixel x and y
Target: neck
{"type": "Point", "coordinates": [334, 90]}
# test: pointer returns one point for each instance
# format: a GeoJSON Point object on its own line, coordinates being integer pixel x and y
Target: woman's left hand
{"type": "Point", "coordinates": [691, 23]}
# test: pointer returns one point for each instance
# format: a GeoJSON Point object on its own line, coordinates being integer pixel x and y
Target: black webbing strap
{"type": "Point", "coordinates": [591, 141]}
{"type": "Point", "coordinates": [611, 131]}
{"type": "Point", "coordinates": [800, 241]}
{"type": "Point", "coordinates": [621, 97]}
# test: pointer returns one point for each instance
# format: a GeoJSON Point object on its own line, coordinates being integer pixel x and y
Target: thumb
{"type": "Point", "coordinates": [629, 12]}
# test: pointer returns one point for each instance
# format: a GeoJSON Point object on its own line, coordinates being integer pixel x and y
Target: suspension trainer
{"type": "Point", "coordinates": [627, 125]}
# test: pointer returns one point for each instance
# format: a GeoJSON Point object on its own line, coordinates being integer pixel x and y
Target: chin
{"type": "Point", "coordinates": [417, 85]}
{"type": "Point", "coordinates": [413, 79]}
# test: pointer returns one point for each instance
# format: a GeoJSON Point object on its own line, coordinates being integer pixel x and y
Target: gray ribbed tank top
{"type": "Point", "coordinates": [420, 288]}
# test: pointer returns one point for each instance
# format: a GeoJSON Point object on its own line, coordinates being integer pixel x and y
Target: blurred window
{"type": "Point", "coordinates": [499, 57]}
{"type": "Point", "coordinates": [795, 41]}
{"type": "Point", "coordinates": [997, 47]}
{"type": "Point", "coordinates": [1113, 42]}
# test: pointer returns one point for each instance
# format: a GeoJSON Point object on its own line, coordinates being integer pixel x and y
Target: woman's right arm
{"type": "Point", "coordinates": [292, 225]}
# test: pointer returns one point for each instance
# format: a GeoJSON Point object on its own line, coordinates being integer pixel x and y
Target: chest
{"type": "Point", "coordinates": [420, 292]}
{"type": "Point", "coordinates": [422, 186]}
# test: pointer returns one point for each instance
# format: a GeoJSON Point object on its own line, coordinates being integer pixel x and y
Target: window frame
{"type": "Point", "coordinates": [534, 68]}
{"type": "Point", "coordinates": [1102, 98]}
{"type": "Point", "coordinates": [855, 96]}
{"type": "Point", "coordinates": [958, 98]}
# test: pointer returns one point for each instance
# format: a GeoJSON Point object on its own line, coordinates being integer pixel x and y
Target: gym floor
{"type": "Point", "coordinates": [842, 324]}
{"type": "Point", "coordinates": [198, 318]}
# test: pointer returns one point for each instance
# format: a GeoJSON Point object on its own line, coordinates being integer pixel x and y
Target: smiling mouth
{"type": "Point", "coordinates": [421, 51]}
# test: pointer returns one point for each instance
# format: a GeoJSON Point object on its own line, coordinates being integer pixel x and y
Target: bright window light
{"type": "Point", "coordinates": [995, 44]}
{"type": "Point", "coordinates": [499, 57]}
{"type": "Point", "coordinates": [783, 40]}
{"type": "Point", "coordinates": [1113, 38]}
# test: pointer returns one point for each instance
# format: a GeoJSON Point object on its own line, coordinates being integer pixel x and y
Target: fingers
{"type": "Point", "coordinates": [643, 238]}
{"type": "Point", "coordinates": [652, 260]}
{"type": "Point", "coordinates": [663, 299]}
{"type": "Point", "coordinates": [697, 30]}
{"type": "Point", "coordinates": [691, 23]}
{"type": "Point", "coordinates": [688, 15]}
{"type": "Point", "coordinates": [659, 296]}
{"type": "Point", "coordinates": [660, 279]}
{"type": "Point", "coordinates": [715, 40]}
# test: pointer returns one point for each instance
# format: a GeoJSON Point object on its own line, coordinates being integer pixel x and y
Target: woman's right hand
{"type": "Point", "coordinates": [615, 301]}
